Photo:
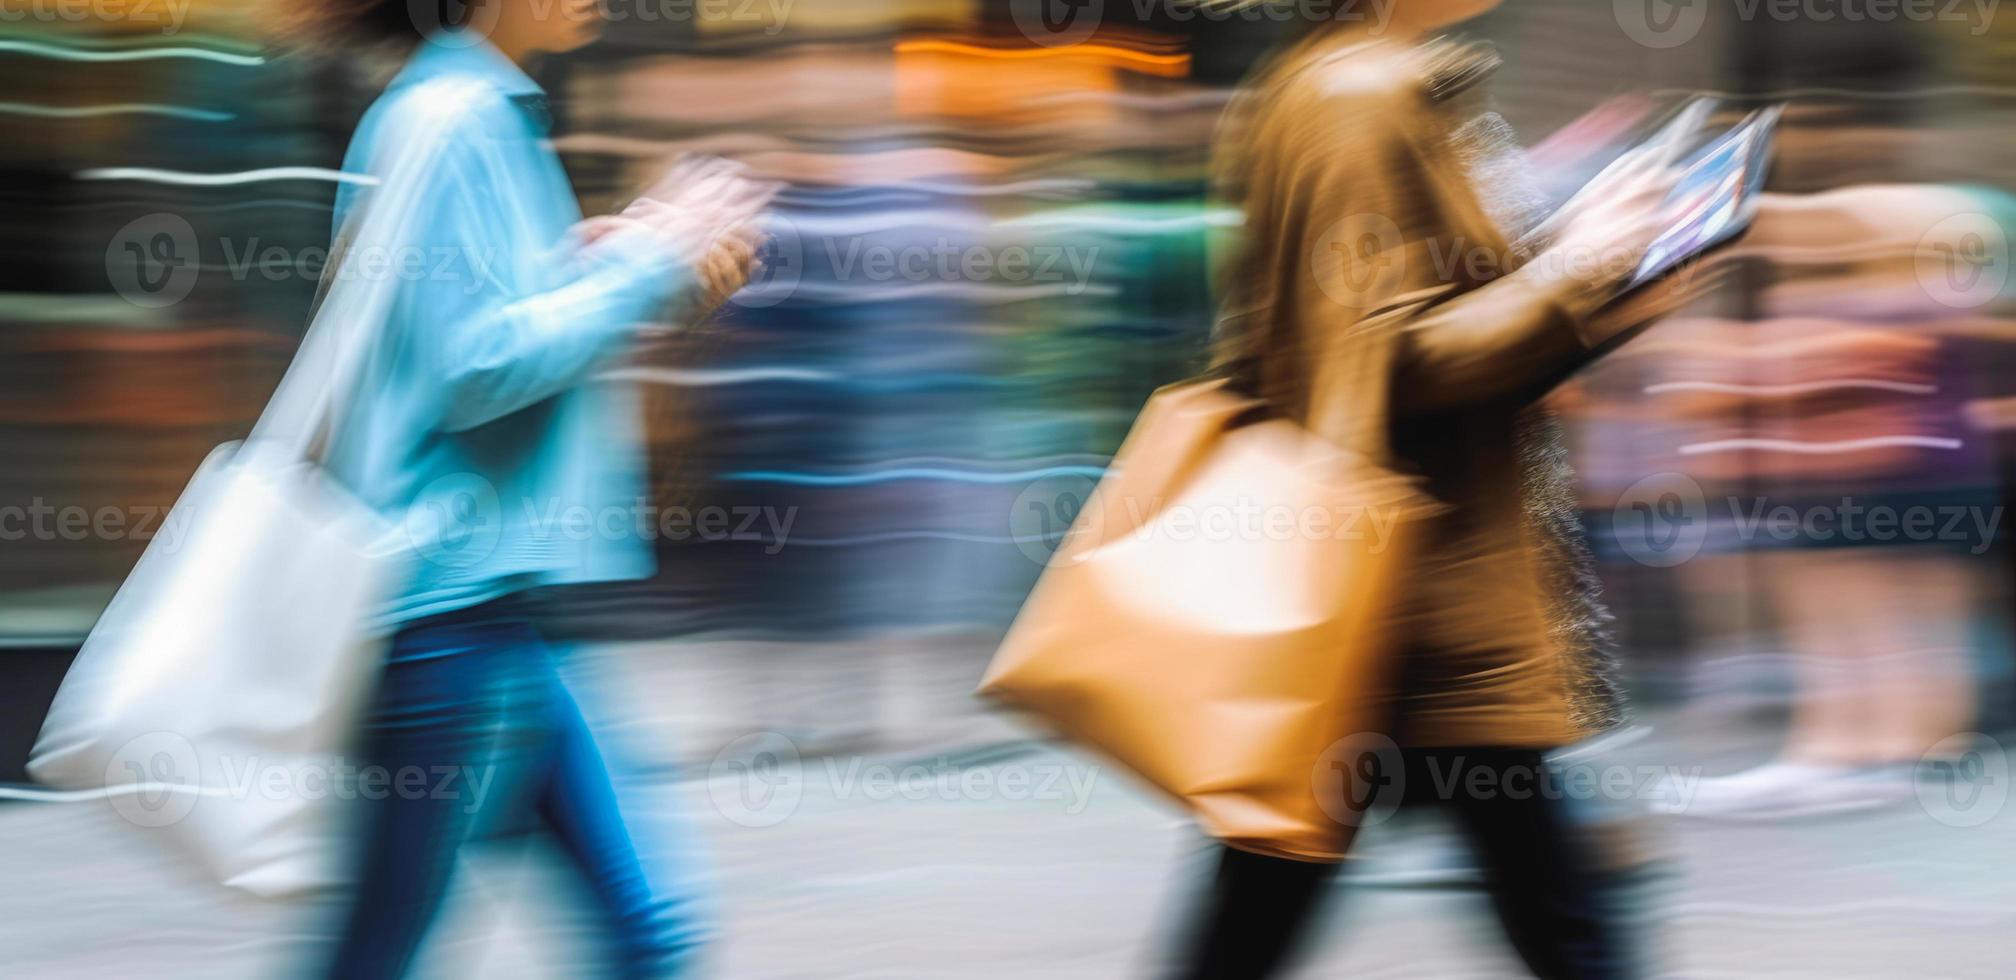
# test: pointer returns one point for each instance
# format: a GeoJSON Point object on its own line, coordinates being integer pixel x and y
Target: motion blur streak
{"type": "Point", "coordinates": [133, 108]}
{"type": "Point", "coordinates": [223, 179]}
{"type": "Point", "coordinates": [66, 53]}
{"type": "Point", "coordinates": [996, 237]}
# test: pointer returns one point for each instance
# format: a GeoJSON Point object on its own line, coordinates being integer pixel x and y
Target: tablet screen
{"type": "Point", "coordinates": [1715, 197]}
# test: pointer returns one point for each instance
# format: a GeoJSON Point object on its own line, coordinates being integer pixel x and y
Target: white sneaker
{"type": "Point", "coordinates": [1784, 790]}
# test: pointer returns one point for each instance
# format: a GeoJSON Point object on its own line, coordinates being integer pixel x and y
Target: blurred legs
{"type": "Point", "coordinates": [482, 695]}
{"type": "Point", "coordinates": [1881, 640]}
{"type": "Point", "coordinates": [653, 934]}
{"type": "Point", "coordinates": [441, 702]}
{"type": "Point", "coordinates": [1253, 916]}
{"type": "Point", "coordinates": [1543, 886]}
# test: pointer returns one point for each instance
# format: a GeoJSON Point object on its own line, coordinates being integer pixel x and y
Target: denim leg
{"type": "Point", "coordinates": [654, 935]}
{"type": "Point", "coordinates": [445, 699]}
{"type": "Point", "coordinates": [408, 845]}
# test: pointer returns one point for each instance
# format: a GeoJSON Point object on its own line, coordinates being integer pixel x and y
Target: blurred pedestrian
{"type": "Point", "coordinates": [1365, 161]}
{"type": "Point", "coordinates": [1841, 406]}
{"type": "Point", "coordinates": [475, 415]}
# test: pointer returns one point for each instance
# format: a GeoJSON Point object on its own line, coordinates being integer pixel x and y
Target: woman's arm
{"type": "Point", "coordinates": [489, 338]}
{"type": "Point", "coordinates": [1371, 280]}
{"type": "Point", "coordinates": [1466, 335]}
{"type": "Point", "coordinates": [1514, 337]}
{"type": "Point", "coordinates": [496, 353]}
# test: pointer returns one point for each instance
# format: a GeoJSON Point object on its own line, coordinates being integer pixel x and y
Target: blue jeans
{"type": "Point", "coordinates": [477, 693]}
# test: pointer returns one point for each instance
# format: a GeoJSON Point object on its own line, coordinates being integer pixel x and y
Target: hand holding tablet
{"type": "Point", "coordinates": [1612, 151]}
{"type": "Point", "coordinates": [1716, 196]}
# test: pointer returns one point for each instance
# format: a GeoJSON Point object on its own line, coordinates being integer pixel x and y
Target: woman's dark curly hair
{"type": "Point", "coordinates": [347, 23]}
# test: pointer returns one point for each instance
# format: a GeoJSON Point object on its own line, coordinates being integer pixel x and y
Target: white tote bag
{"type": "Point", "coordinates": [210, 702]}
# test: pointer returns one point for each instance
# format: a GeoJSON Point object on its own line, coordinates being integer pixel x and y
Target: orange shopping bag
{"type": "Point", "coordinates": [1216, 621]}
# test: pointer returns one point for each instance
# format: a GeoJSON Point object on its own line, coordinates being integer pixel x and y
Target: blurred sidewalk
{"type": "Point", "coordinates": [1021, 861]}
{"type": "Point", "coordinates": [674, 704]}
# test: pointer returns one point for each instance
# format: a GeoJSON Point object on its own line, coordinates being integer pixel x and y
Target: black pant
{"type": "Point", "coordinates": [1507, 802]}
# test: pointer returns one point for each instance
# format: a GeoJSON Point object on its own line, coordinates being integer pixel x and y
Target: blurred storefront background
{"type": "Point", "coordinates": [992, 249]}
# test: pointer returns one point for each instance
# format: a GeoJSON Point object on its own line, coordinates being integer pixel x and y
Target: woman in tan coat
{"type": "Point", "coordinates": [1396, 294]}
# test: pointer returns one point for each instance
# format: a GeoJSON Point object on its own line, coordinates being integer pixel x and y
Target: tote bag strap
{"type": "Point", "coordinates": [347, 317]}
{"type": "Point", "coordinates": [301, 408]}
{"type": "Point", "coordinates": [353, 303]}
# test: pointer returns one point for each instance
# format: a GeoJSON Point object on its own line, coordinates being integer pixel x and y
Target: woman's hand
{"type": "Point", "coordinates": [731, 260]}
{"type": "Point", "coordinates": [690, 212]}
{"type": "Point", "coordinates": [701, 203]}
{"type": "Point", "coordinates": [1610, 225]}
{"type": "Point", "coordinates": [706, 214]}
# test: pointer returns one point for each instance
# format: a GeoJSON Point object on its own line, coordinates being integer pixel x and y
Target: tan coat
{"type": "Point", "coordinates": [1375, 301]}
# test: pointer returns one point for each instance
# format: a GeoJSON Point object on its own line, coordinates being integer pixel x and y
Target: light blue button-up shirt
{"type": "Point", "coordinates": [477, 425]}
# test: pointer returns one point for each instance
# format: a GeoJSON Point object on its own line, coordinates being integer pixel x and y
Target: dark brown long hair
{"type": "Point", "coordinates": [1253, 336]}
{"type": "Point", "coordinates": [339, 24]}
{"type": "Point", "coordinates": [1243, 338]}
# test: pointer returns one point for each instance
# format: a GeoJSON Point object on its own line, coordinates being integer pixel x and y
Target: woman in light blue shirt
{"type": "Point", "coordinates": [477, 426]}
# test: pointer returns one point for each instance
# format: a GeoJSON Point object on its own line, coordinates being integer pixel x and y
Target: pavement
{"type": "Point", "coordinates": [895, 829]}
